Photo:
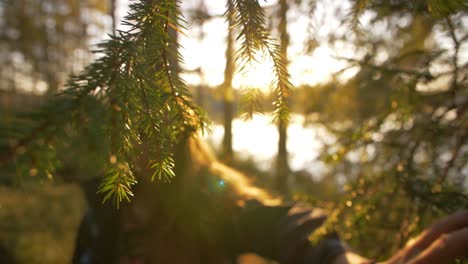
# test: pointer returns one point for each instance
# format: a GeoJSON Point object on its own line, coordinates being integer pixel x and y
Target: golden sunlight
{"type": "Point", "coordinates": [256, 74]}
{"type": "Point", "coordinates": [304, 69]}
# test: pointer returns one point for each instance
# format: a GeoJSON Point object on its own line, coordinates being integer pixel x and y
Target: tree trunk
{"type": "Point", "coordinates": [282, 165]}
{"type": "Point", "coordinates": [113, 6]}
{"type": "Point", "coordinates": [228, 97]}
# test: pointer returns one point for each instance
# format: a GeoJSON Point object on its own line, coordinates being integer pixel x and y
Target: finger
{"type": "Point", "coordinates": [445, 249]}
{"type": "Point", "coordinates": [447, 225]}
{"type": "Point", "coordinates": [453, 222]}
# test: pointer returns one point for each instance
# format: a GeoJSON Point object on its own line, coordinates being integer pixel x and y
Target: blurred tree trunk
{"type": "Point", "coordinates": [282, 165]}
{"type": "Point", "coordinates": [113, 6]}
{"type": "Point", "coordinates": [228, 96]}
{"type": "Point", "coordinates": [50, 74]}
{"type": "Point", "coordinates": [420, 29]}
{"type": "Point", "coordinates": [53, 84]}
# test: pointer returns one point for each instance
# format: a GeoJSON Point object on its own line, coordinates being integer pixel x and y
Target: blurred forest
{"type": "Point", "coordinates": [395, 112]}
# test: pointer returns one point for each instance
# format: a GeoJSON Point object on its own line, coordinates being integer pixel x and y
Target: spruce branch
{"type": "Point", "coordinates": [254, 36]}
{"type": "Point", "coordinates": [147, 106]}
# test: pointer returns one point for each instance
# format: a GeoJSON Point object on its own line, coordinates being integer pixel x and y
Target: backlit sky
{"type": "Point", "coordinates": [208, 53]}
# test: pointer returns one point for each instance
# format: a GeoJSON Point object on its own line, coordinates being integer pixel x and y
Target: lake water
{"type": "Point", "coordinates": [257, 139]}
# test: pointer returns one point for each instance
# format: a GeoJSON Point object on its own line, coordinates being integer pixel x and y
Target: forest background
{"type": "Point", "coordinates": [369, 114]}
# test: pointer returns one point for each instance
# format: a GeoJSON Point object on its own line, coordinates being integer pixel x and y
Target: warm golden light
{"type": "Point", "coordinates": [256, 74]}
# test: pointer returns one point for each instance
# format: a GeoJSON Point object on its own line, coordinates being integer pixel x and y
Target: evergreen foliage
{"type": "Point", "coordinates": [401, 128]}
{"type": "Point", "coordinates": [147, 106]}
{"type": "Point", "coordinates": [143, 105]}
{"type": "Point", "coordinates": [254, 36]}
{"type": "Point", "coordinates": [130, 105]}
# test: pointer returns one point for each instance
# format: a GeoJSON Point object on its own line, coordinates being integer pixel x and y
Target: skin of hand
{"type": "Point", "coordinates": [441, 243]}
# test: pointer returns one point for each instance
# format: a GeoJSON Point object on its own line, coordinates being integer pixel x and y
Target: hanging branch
{"type": "Point", "coordinates": [254, 36]}
{"type": "Point", "coordinates": [145, 99]}
{"type": "Point", "coordinates": [167, 111]}
{"type": "Point", "coordinates": [59, 110]}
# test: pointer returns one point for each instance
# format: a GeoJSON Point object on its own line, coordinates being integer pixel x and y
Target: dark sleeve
{"type": "Point", "coordinates": [98, 235]}
{"type": "Point", "coordinates": [281, 233]}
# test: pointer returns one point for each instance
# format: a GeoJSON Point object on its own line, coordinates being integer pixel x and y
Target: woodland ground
{"type": "Point", "coordinates": [38, 223]}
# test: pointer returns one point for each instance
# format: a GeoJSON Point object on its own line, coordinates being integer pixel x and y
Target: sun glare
{"type": "Point", "coordinates": [306, 69]}
{"type": "Point", "coordinates": [256, 74]}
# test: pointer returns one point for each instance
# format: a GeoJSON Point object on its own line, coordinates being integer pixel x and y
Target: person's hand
{"type": "Point", "coordinates": [443, 242]}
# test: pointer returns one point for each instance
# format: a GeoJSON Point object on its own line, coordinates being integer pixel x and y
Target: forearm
{"type": "Point", "coordinates": [350, 258]}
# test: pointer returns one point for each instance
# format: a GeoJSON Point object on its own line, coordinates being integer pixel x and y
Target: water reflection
{"type": "Point", "coordinates": [257, 139]}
